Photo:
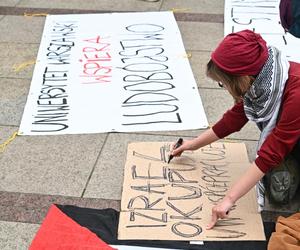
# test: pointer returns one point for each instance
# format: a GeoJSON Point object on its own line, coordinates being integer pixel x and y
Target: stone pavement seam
{"type": "Point", "coordinates": [161, 5]}
{"type": "Point", "coordinates": [179, 16]}
{"type": "Point", "coordinates": [9, 125]}
{"type": "Point", "coordinates": [16, 78]}
{"type": "Point", "coordinates": [18, 43]}
{"type": "Point", "coordinates": [94, 166]}
{"type": "Point", "coordinates": [18, 2]}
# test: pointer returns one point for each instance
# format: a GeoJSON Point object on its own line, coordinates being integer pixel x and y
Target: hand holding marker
{"type": "Point", "coordinates": [177, 145]}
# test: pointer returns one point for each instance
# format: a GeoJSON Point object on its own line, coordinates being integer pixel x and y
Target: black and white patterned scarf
{"type": "Point", "coordinates": [262, 101]}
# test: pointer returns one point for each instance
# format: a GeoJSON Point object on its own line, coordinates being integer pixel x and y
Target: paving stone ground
{"type": "Point", "coordinates": [84, 170]}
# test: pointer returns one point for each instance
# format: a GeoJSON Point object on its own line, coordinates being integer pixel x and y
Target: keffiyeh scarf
{"type": "Point", "coordinates": [263, 100]}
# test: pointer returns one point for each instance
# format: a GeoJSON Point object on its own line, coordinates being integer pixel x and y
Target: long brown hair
{"type": "Point", "coordinates": [236, 85]}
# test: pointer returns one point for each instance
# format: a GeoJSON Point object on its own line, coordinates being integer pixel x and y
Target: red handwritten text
{"type": "Point", "coordinates": [96, 61]}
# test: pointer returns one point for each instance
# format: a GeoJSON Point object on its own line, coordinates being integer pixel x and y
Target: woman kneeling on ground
{"type": "Point", "coordinates": [266, 90]}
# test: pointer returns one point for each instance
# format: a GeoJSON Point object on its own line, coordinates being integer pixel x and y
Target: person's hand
{"type": "Point", "coordinates": [186, 145]}
{"type": "Point", "coordinates": [220, 211]}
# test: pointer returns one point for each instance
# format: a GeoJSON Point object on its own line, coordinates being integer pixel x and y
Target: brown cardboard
{"type": "Point", "coordinates": [173, 201]}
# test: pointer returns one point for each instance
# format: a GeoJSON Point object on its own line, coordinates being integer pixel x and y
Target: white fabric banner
{"type": "Point", "coordinates": [112, 72]}
{"type": "Point", "coordinates": [261, 16]}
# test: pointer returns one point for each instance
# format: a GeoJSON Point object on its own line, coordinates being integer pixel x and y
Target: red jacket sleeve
{"type": "Point", "coordinates": [285, 135]}
{"type": "Point", "coordinates": [232, 121]}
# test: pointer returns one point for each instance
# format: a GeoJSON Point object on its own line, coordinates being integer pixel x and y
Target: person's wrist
{"type": "Point", "coordinates": [230, 198]}
{"type": "Point", "coordinates": [196, 143]}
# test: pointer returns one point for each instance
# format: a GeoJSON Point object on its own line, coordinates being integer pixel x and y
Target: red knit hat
{"type": "Point", "coordinates": [241, 53]}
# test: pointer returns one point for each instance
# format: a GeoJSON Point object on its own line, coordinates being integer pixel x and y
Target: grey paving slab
{"type": "Point", "coordinates": [8, 2]}
{"type": "Point", "coordinates": [198, 61]}
{"type": "Point", "coordinates": [57, 165]}
{"type": "Point", "coordinates": [195, 6]}
{"type": "Point", "coordinates": [201, 36]}
{"type": "Point", "coordinates": [251, 149]}
{"type": "Point", "coordinates": [216, 103]}
{"type": "Point", "coordinates": [21, 29]}
{"type": "Point", "coordinates": [107, 179]}
{"type": "Point", "coordinates": [249, 132]}
{"type": "Point", "coordinates": [13, 95]}
{"type": "Point", "coordinates": [13, 55]}
{"type": "Point", "coordinates": [103, 5]}
{"type": "Point", "coordinates": [17, 236]}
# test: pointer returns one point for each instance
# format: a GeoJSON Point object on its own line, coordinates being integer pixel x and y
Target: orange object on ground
{"type": "Point", "coordinates": [287, 235]}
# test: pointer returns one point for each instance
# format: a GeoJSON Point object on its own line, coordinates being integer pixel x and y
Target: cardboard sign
{"type": "Point", "coordinates": [262, 17]}
{"type": "Point", "coordinates": [121, 72]}
{"type": "Point", "coordinates": [173, 201]}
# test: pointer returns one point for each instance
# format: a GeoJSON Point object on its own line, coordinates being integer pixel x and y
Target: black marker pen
{"type": "Point", "coordinates": [177, 145]}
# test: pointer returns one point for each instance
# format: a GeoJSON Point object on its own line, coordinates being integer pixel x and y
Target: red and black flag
{"type": "Point", "coordinates": [74, 228]}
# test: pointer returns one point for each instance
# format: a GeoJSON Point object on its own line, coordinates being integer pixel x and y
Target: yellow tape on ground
{"type": "Point", "coordinates": [9, 140]}
{"type": "Point", "coordinates": [19, 67]}
{"type": "Point", "coordinates": [35, 14]}
{"type": "Point", "coordinates": [180, 9]}
{"type": "Point", "coordinates": [188, 55]}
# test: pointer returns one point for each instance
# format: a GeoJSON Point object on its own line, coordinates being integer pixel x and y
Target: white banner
{"type": "Point", "coordinates": [112, 72]}
{"type": "Point", "coordinates": [261, 16]}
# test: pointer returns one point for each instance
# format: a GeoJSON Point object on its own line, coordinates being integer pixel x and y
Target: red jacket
{"type": "Point", "coordinates": [283, 137]}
